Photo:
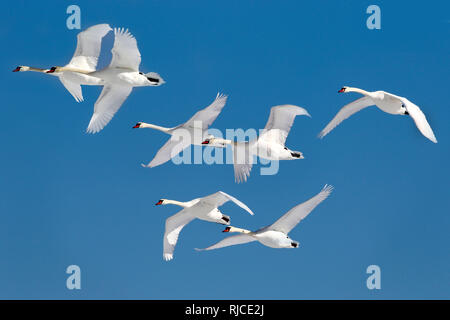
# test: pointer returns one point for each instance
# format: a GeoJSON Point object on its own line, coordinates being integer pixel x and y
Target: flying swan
{"type": "Point", "coordinates": [118, 79]}
{"type": "Point", "coordinates": [205, 208]}
{"type": "Point", "coordinates": [84, 60]}
{"type": "Point", "coordinates": [194, 131]}
{"type": "Point", "coordinates": [269, 145]}
{"type": "Point", "coordinates": [275, 235]}
{"type": "Point", "coordinates": [385, 101]}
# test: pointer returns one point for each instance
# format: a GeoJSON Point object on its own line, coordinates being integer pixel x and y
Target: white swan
{"type": "Point", "coordinates": [194, 131]}
{"type": "Point", "coordinates": [269, 145]}
{"type": "Point", "coordinates": [201, 208]}
{"type": "Point", "coordinates": [385, 101]}
{"type": "Point", "coordinates": [275, 235]}
{"type": "Point", "coordinates": [118, 79]}
{"type": "Point", "coordinates": [84, 59]}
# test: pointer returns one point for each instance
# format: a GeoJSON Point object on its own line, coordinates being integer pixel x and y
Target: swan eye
{"type": "Point", "coordinates": [141, 73]}
{"type": "Point", "coordinates": [285, 148]}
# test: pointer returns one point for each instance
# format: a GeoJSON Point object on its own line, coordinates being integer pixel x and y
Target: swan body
{"type": "Point", "coordinates": [275, 239]}
{"type": "Point", "coordinates": [194, 131]}
{"type": "Point", "coordinates": [386, 102]}
{"type": "Point", "coordinates": [205, 208]}
{"type": "Point", "coordinates": [269, 145]}
{"type": "Point", "coordinates": [125, 77]}
{"type": "Point", "coordinates": [84, 61]}
{"type": "Point", "coordinates": [276, 234]}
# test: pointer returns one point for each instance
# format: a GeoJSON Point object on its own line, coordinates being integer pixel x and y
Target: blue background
{"type": "Point", "coordinates": [67, 197]}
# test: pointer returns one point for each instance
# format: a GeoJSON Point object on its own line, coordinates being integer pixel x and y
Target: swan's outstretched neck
{"type": "Point", "coordinates": [223, 141]}
{"type": "Point", "coordinates": [351, 89]}
{"type": "Point", "coordinates": [27, 68]}
{"type": "Point", "coordinates": [234, 229]}
{"type": "Point", "coordinates": [216, 142]}
{"type": "Point", "coordinates": [177, 203]}
{"type": "Point", "coordinates": [71, 69]}
{"type": "Point", "coordinates": [152, 126]}
{"type": "Point", "coordinates": [36, 69]}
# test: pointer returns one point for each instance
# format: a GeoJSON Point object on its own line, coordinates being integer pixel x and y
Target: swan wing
{"type": "Point", "coordinates": [174, 224]}
{"type": "Point", "coordinates": [280, 122]}
{"type": "Point", "coordinates": [419, 119]}
{"type": "Point", "coordinates": [170, 149]}
{"type": "Point", "coordinates": [346, 112]}
{"type": "Point", "coordinates": [242, 161]}
{"type": "Point", "coordinates": [107, 104]}
{"type": "Point", "coordinates": [125, 52]}
{"type": "Point", "coordinates": [219, 198]}
{"type": "Point", "coordinates": [72, 87]}
{"type": "Point", "coordinates": [290, 219]}
{"type": "Point", "coordinates": [230, 241]}
{"type": "Point", "coordinates": [207, 115]}
{"type": "Point", "coordinates": [88, 47]}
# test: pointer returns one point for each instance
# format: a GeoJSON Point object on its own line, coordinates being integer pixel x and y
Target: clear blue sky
{"type": "Point", "coordinates": [67, 197]}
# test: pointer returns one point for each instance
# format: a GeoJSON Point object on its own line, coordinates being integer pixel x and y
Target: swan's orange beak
{"type": "Point", "coordinates": [342, 90]}
{"type": "Point", "coordinates": [16, 69]}
{"type": "Point", "coordinates": [159, 203]}
{"type": "Point", "coordinates": [205, 142]}
{"type": "Point", "coordinates": [137, 125]}
{"type": "Point", "coordinates": [227, 229]}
